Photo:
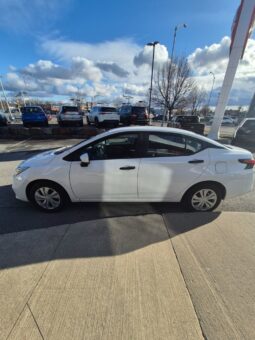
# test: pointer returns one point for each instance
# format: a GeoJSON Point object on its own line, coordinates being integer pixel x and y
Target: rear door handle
{"type": "Point", "coordinates": [128, 167]}
{"type": "Point", "coordinates": [196, 161]}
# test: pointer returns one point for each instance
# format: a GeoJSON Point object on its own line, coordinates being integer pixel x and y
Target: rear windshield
{"type": "Point", "coordinates": [31, 110]}
{"type": "Point", "coordinates": [138, 109]}
{"type": "Point", "coordinates": [249, 124]}
{"type": "Point", "coordinates": [70, 109]}
{"type": "Point", "coordinates": [108, 109]}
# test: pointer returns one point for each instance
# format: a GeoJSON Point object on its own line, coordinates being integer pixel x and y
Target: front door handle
{"type": "Point", "coordinates": [128, 167]}
{"type": "Point", "coordinates": [196, 161]}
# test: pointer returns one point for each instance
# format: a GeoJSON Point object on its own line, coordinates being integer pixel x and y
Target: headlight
{"type": "Point", "coordinates": [20, 169]}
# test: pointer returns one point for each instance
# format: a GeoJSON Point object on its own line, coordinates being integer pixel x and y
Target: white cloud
{"type": "Point", "coordinates": [110, 69]}
{"type": "Point", "coordinates": [145, 56]}
{"type": "Point", "coordinates": [120, 51]}
{"type": "Point", "coordinates": [214, 58]}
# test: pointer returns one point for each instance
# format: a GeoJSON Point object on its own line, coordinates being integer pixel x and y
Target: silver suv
{"type": "Point", "coordinates": [69, 115]}
{"type": "Point", "coordinates": [103, 115]}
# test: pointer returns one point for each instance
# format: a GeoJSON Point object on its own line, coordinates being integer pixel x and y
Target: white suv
{"type": "Point", "coordinates": [102, 115]}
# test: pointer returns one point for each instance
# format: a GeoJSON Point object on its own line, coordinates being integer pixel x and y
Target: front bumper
{"type": "Point", "coordinates": [19, 185]}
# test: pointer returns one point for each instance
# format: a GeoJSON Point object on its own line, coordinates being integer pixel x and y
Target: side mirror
{"type": "Point", "coordinates": [84, 159]}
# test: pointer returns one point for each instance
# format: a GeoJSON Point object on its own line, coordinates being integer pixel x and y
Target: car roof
{"type": "Point", "coordinates": [159, 129]}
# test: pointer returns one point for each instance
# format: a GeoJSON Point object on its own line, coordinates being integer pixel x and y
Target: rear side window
{"type": "Point", "coordinates": [165, 145]}
{"type": "Point", "coordinates": [193, 145]}
{"type": "Point", "coordinates": [168, 145]}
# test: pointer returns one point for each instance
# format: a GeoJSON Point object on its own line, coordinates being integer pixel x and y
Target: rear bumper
{"type": "Point", "coordinates": [240, 184]}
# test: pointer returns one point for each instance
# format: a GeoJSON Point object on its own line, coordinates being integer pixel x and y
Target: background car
{"type": "Point", "coordinates": [190, 123]}
{"type": "Point", "coordinates": [138, 164]}
{"type": "Point", "coordinates": [33, 115]}
{"type": "Point", "coordinates": [226, 121]}
{"type": "Point", "coordinates": [3, 119]}
{"type": "Point", "coordinates": [103, 115]}
{"type": "Point", "coordinates": [137, 115]}
{"type": "Point", "coordinates": [69, 115]}
{"type": "Point", "coordinates": [245, 134]}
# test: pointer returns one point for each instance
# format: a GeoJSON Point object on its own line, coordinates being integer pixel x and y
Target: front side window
{"type": "Point", "coordinates": [122, 146]}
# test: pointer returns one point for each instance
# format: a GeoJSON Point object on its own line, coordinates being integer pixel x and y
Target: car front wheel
{"type": "Point", "coordinates": [47, 196]}
{"type": "Point", "coordinates": [203, 197]}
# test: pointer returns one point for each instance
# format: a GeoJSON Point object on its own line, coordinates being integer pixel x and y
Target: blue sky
{"type": "Point", "coordinates": [72, 36]}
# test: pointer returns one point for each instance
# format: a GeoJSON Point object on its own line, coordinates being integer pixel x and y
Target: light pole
{"type": "Point", "coordinates": [210, 95]}
{"type": "Point", "coordinates": [5, 95]}
{"type": "Point", "coordinates": [153, 44]}
{"type": "Point", "coordinates": [128, 98]}
{"type": "Point", "coordinates": [170, 69]}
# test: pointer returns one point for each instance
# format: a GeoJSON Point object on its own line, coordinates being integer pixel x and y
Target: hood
{"type": "Point", "coordinates": [40, 159]}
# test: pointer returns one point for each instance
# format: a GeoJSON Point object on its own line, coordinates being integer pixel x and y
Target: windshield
{"type": "Point", "coordinates": [249, 124]}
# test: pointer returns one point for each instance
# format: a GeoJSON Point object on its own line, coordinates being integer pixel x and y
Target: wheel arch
{"type": "Point", "coordinates": [220, 185]}
{"type": "Point", "coordinates": [31, 184]}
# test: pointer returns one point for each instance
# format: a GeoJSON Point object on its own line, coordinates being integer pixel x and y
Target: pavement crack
{"type": "Point", "coordinates": [27, 304]}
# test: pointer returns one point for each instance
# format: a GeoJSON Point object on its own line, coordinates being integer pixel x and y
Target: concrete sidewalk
{"type": "Point", "coordinates": [107, 279]}
{"type": "Point", "coordinates": [180, 276]}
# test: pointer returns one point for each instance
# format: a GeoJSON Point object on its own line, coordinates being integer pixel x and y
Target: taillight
{"type": "Point", "coordinates": [249, 163]}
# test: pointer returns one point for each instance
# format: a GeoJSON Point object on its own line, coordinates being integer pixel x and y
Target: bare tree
{"type": "Point", "coordinates": [173, 85]}
{"type": "Point", "coordinates": [196, 99]}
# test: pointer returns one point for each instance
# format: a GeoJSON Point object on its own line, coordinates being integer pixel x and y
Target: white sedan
{"type": "Point", "coordinates": [137, 164]}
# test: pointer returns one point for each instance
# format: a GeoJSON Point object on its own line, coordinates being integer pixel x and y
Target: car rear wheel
{"type": "Point", "coordinates": [202, 197]}
{"type": "Point", "coordinates": [47, 196]}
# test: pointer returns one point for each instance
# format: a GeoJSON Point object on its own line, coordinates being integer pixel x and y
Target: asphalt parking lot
{"type": "Point", "coordinates": [18, 216]}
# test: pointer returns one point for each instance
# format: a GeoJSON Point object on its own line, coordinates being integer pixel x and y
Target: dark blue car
{"type": "Point", "coordinates": [33, 115]}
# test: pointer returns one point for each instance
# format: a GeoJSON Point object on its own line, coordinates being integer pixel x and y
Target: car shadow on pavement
{"type": "Point", "coordinates": [104, 237]}
{"type": "Point", "coordinates": [20, 216]}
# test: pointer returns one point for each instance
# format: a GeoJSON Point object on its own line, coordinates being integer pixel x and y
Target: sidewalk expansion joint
{"type": "Point", "coordinates": [194, 308]}
{"type": "Point", "coordinates": [27, 304]}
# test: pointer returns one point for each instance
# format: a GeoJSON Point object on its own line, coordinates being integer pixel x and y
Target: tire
{"type": "Point", "coordinates": [59, 197]}
{"type": "Point", "coordinates": [88, 121]}
{"type": "Point", "coordinates": [193, 199]}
